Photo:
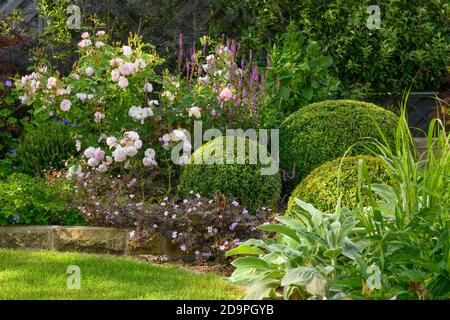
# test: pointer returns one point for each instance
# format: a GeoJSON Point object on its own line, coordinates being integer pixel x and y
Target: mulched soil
{"type": "Point", "coordinates": [224, 269]}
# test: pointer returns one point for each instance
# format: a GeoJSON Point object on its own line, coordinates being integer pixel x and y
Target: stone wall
{"type": "Point", "coordinates": [82, 239]}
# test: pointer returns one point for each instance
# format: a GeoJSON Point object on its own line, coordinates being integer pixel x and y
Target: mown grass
{"type": "Point", "coordinates": [42, 275]}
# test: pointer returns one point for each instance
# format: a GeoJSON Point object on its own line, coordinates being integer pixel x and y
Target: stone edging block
{"type": "Point", "coordinates": [82, 239]}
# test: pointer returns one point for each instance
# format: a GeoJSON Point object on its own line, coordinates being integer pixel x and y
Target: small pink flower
{"type": "Point", "coordinates": [85, 35]}
{"type": "Point", "coordinates": [126, 50]}
{"type": "Point", "coordinates": [99, 117]}
{"type": "Point", "coordinates": [225, 94]}
{"type": "Point", "coordinates": [102, 168]}
{"type": "Point", "coordinates": [123, 82]}
{"type": "Point", "coordinates": [61, 92]}
{"type": "Point", "coordinates": [148, 87]}
{"type": "Point", "coordinates": [65, 105]}
{"type": "Point", "coordinates": [84, 43]}
{"type": "Point", "coordinates": [89, 71]}
{"type": "Point", "coordinates": [126, 69]}
{"type": "Point", "coordinates": [115, 75]}
{"type": "Point", "coordinates": [101, 33]}
{"type": "Point", "coordinates": [51, 82]}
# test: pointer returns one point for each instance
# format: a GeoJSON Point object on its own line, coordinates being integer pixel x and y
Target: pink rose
{"type": "Point", "coordinates": [89, 71]}
{"type": "Point", "coordinates": [85, 35]}
{"type": "Point", "coordinates": [123, 82]}
{"type": "Point", "coordinates": [99, 154]}
{"type": "Point", "coordinates": [225, 94]}
{"type": "Point", "coordinates": [51, 82]}
{"type": "Point", "coordinates": [99, 117]}
{"type": "Point", "coordinates": [126, 69]}
{"type": "Point", "coordinates": [84, 43]}
{"type": "Point", "coordinates": [65, 105]}
{"type": "Point", "coordinates": [148, 87]}
{"type": "Point", "coordinates": [101, 33]}
{"type": "Point", "coordinates": [115, 75]}
{"type": "Point", "coordinates": [126, 50]}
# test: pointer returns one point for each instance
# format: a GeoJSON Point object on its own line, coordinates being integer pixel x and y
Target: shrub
{"type": "Point", "coordinates": [46, 146]}
{"type": "Point", "coordinates": [332, 180]}
{"type": "Point", "coordinates": [200, 226]}
{"type": "Point", "coordinates": [242, 181]}
{"type": "Point", "coordinates": [324, 131]}
{"type": "Point", "coordinates": [28, 200]}
{"type": "Point", "coordinates": [410, 47]}
{"type": "Point", "coordinates": [299, 74]}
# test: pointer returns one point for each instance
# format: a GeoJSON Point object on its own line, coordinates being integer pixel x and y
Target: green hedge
{"type": "Point", "coordinates": [321, 188]}
{"type": "Point", "coordinates": [411, 47]}
{"type": "Point", "coordinates": [324, 131]}
{"type": "Point", "coordinates": [242, 181]}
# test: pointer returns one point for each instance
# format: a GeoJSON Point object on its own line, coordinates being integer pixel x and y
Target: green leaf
{"type": "Point", "coordinates": [244, 249]}
{"type": "Point", "coordinates": [262, 289]}
{"type": "Point", "coordinates": [300, 276]}
{"type": "Point", "coordinates": [333, 253]}
{"type": "Point", "coordinates": [251, 262]}
{"type": "Point", "coordinates": [280, 229]}
{"type": "Point", "coordinates": [284, 93]}
{"type": "Point", "coordinates": [308, 93]}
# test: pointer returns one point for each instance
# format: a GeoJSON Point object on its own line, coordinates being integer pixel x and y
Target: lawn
{"type": "Point", "coordinates": [42, 275]}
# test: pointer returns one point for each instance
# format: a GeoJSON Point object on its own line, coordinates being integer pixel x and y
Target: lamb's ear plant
{"type": "Point", "coordinates": [310, 251]}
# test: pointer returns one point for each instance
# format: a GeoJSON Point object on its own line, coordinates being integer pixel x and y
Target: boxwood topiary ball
{"type": "Point", "coordinates": [320, 187]}
{"type": "Point", "coordinates": [324, 131]}
{"type": "Point", "coordinates": [242, 181]}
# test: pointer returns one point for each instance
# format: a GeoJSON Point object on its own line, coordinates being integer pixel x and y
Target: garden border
{"type": "Point", "coordinates": [83, 239]}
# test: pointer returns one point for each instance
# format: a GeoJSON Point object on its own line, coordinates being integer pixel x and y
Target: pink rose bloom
{"type": "Point", "coordinates": [123, 82]}
{"type": "Point", "coordinates": [65, 105]}
{"type": "Point", "coordinates": [148, 87]}
{"type": "Point", "coordinates": [85, 35]}
{"type": "Point", "coordinates": [126, 50]}
{"type": "Point", "coordinates": [115, 75]}
{"type": "Point", "coordinates": [166, 138]}
{"type": "Point", "coordinates": [101, 33]}
{"type": "Point", "coordinates": [89, 71]}
{"type": "Point", "coordinates": [62, 91]}
{"type": "Point", "coordinates": [99, 117]}
{"type": "Point", "coordinates": [111, 141]}
{"type": "Point", "coordinates": [102, 168]}
{"type": "Point", "coordinates": [84, 43]}
{"type": "Point", "coordinates": [99, 154]}
{"type": "Point", "coordinates": [225, 94]}
{"type": "Point", "coordinates": [115, 62]}
{"type": "Point", "coordinates": [126, 69]}
{"type": "Point", "coordinates": [51, 82]}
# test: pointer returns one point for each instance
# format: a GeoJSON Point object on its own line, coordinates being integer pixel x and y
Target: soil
{"type": "Point", "coordinates": [223, 269]}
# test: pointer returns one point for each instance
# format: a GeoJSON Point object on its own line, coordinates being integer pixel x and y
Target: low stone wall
{"type": "Point", "coordinates": [82, 239]}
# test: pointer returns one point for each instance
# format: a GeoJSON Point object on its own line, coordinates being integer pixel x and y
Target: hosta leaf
{"type": "Point", "coordinates": [244, 249]}
{"type": "Point", "coordinates": [251, 262]}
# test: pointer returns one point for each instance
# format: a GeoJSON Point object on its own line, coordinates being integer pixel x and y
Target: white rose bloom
{"type": "Point", "coordinates": [92, 162]}
{"type": "Point", "coordinates": [89, 152]}
{"type": "Point", "coordinates": [195, 112]}
{"type": "Point", "coordinates": [150, 153]}
{"type": "Point", "coordinates": [126, 50]}
{"type": "Point", "coordinates": [137, 144]}
{"type": "Point", "coordinates": [111, 141]}
{"type": "Point", "coordinates": [131, 151]}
